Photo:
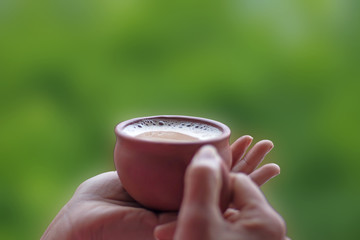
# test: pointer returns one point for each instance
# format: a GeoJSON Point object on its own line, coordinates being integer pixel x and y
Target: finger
{"type": "Point", "coordinates": [232, 215]}
{"type": "Point", "coordinates": [250, 201]}
{"type": "Point", "coordinates": [165, 231]}
{"type": "Point", "coordinates": [254, 157]}
{"type": "Point", "coordinates": [167, 225]}
{"type": "Point", "coordinates": [166, 217]}
{"type": "Point", "coordinates": [265, 173]}
{"type": "Point", "coordinates": [199, 208]}
{"type": "Point", "coordinates": [239, 147]}
{"type": "Point", "coordinates": [246, 193]}
{"type": "Point", "coordinates": [203, 179]}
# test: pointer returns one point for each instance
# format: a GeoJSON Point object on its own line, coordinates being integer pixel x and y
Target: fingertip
{"type": "Point", "coordinates": [203, 178]}
{"type": "Point", "coordinates": [249, 140]}
{"type": "Point", "coordinates": [276, 168]}
{"type": "Point", "coordinates": [248, 137]}
{"type": "Point", "coordinates": [265, 173]}
{"type": "Point", "coordinates": [272, 144]}
{"type": "Point", "coordinates": [273, 168]}
{"type": "Point", "coordinates": [206, 152]}
{"type": "Point", "coordinates": [165, 231]}
{"type": "Point", "coordinates": [268, 143]}
{"type": "Point", "coordinates": [207, 159]}
{"type": "Point", "coordinates": [239, 147]}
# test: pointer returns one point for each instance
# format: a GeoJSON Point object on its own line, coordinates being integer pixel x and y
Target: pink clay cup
{"type": "Point", "coordinates": [152, 172]}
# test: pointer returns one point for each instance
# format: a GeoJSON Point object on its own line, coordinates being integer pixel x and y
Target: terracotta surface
{"type": "Point", "coordinates": [153, 172]}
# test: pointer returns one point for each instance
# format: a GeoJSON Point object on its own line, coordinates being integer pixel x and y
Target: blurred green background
{"type": "Point", "coordinates": [70, 70]}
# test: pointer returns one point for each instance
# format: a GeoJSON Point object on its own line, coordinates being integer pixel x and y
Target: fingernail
{"type": "Point", "coordinates": [207, 155]}
{"type": "Point", "coordinates": [206, 152]}
{"type": "Point", "coordinates": [271, 146]}
{"type": "Point", "coordinates": [250, 140]}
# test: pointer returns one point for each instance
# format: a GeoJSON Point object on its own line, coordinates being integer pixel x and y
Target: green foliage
{"type": "Point", "coordinates": [283, 70]}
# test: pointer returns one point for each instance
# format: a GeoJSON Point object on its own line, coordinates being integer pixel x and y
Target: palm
{"type": "Point", "coordinates": [104, 210]}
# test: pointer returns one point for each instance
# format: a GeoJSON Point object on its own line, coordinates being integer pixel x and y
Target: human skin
{"type": "Point", "coordinates": [101, 208]}
{"type": "Point", "coordinates": [250, 217]}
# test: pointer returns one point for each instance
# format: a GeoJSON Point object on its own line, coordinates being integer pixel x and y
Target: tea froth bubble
{"type": "Point", "coordinates": [196, 131]}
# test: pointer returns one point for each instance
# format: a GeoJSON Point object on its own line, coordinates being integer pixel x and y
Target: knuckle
{"type": "Point", "coordinates": [83, 187]}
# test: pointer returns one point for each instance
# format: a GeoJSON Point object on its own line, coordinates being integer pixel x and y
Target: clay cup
{"type": "Point", "coordinates": [152, 171]}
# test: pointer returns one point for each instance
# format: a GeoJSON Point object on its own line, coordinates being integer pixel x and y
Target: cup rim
{"type": "Point", "coordinates": [224, 129]}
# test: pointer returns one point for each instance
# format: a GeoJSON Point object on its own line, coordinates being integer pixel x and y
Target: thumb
{"type": "Point", "coordinates": [203, 179]}
{"type": "Point", "coordinates": [200, 205]}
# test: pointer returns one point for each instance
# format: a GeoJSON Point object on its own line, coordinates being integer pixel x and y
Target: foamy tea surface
{"type": "Point", "coordinates": [164, 129]}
